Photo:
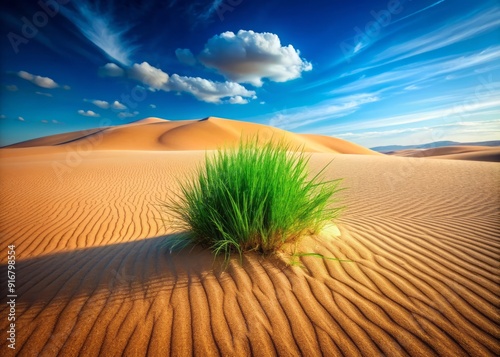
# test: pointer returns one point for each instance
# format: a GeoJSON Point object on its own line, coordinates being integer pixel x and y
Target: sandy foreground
{"type": "Point", "coordinates": [92, 277]}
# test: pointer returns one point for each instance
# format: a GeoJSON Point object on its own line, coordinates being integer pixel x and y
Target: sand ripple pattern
{"type": "Point", "coordinates": [93, 279]}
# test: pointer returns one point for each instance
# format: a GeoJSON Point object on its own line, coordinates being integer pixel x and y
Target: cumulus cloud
{"type": "Point", "coordinates": [238, 100]}
{"type": "Point", "coordinates": [203, 89]}
{"type": "Point", "coordinates": [207, 90]}
{"type": "Point", "coordinates": [100, 103]}
{"type": "Point", "coordinates": [250, 57]}
{"type": "Point", "coordinates": [106, 105]}
{"type": "Point", "coordinates": [124, 115]}
{"type": "Point", "coordinates": [111, 70]}
{"type": "Point", "coordinates": [44, 82]}
{"type": "Point", "coordinates": [184, 55]}
{"type": "Point", "coordinates": [154, 77]}
{"type": "Point", "coordinates": [88, 113]}
{"type": "Point", "coordinates": [118, 106]}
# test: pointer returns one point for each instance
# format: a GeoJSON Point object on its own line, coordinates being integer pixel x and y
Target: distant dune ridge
{"type": "Point", "coordinates": [475, 153]}
{"type": "Point", "coordinates": [480, 151]}
{"type": "Point", "coordinates": [93, 279]}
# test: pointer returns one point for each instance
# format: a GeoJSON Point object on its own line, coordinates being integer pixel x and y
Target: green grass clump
{"type": "Point", "coordinates": [254, 197]}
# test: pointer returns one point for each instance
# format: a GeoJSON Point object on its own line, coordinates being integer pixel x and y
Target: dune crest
{"type": "Point", "coordinates": [206, 134]}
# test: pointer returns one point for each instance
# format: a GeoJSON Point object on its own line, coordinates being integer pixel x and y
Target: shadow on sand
{"type": "Point", "coordinates": [132, 270]}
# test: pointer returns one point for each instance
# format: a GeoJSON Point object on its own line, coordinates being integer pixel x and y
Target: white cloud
{"type": "Point", "coordinates": [55, 122]}
{"type": "Point", "coordinates": [44, 94]}
{"type": "Point", "coordinates": [44, 82]}
{"type": "Point", "coordinates": [20, 118]}
{"type": "Point", "coordinates": [154, 77]}
{"type": "Point", "coordinates": [184, 55]}
{"type": "Point", "coordinates": [237, 100]}
{"type": "Point", "coordinates": [100, 103]}
{"type": "Point", "coordinates": [118, 106]}
{"type": "Point", "coordinates": [88, 113]}
{"type": "Point", "coordinates": [100, 29]}
{"type": "Point", "coordinates": [66, 87]}
{"type": "Point", "coordinates": [203, 89]}
{"type": "Point", "coordinates": [250, 57]}
{"type": "Point", "coordinates": [111, 70]}
{"type": "Point", "coordinates": [123, 115]}
{"type": "Point", "coordinates": [106, 105]}
{"type": "Point", "coordinates": [44, 121]}
{"type": "Point", "coordinates": [207, 90]}
{"type": "Point", "coordinates": [152, 106]}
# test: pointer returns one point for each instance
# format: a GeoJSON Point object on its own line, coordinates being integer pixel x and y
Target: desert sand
{"type": "Point", "coordinates": [92, 277]}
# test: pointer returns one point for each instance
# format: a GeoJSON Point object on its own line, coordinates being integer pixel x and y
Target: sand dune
{"type": "Point", "coordinates": [93, 278]}
{"type": "Point", "coordinates": [206, 134]}
{"type": "Point", "coordinates": [475, 153]}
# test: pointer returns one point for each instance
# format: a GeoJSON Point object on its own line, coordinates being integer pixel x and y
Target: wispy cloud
{"type": "Point", "coordinates": [450, 114]}
{"type": "Point", "coordinates": [324, 111]}
{"type": "Point", "coordinates": [101, 29]}
{"type": "Point", "coordinates": [418, 11]}
{"type": "Point", "coordinates": [44, 94]}
{"type": "Point", "coordinates": [444, 36]}
{"type": "Point", "coordinates": [208, 11]}
{"type": "Point", "coordinates": [469, 126]}
{"type": "Point", "coordinates": [422, 71]}
{"type": "Point", "coordinates": [364, 40]}
{"type": "Point", "coordinates": [470, 131]}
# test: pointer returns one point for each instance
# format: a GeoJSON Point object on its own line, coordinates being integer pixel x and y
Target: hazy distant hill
{"type": "Point", "coordinates": [437, 144]}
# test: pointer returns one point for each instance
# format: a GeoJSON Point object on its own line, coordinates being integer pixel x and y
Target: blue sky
{"type": "Point", "coordinates": [373, 72]}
